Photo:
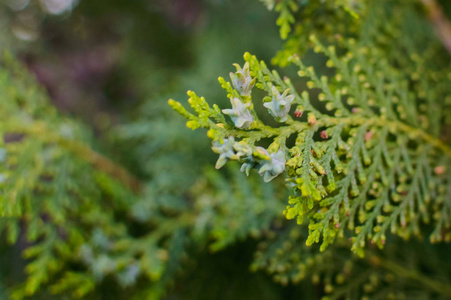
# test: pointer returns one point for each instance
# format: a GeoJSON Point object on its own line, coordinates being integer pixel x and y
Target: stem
{"type": "Point", "coordinates": [296, 126]}
{"type": "Point", "coordinates": [102, 163]}
{"type": "Point", "coordinates": [399, 126]}
{"type": "Point", "coordinates": [81, 150]}
{"type": "Point", "coordinates": [438, 19]}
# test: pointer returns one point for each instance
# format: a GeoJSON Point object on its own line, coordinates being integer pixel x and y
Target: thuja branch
{"type": "Point", "coordinates": [367, 166]}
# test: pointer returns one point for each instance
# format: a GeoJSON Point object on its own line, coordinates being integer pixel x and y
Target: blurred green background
{"type": "Point", "coordinates": [113, 64]}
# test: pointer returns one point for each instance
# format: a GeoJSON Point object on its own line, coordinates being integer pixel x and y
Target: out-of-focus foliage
{"type": "Point", "coordinates": [300, 19]}
{"type": "Point", "coordinates": [53, 184]}
{"type": "Point", "coordinates": [285, 256]}
{"type": "Point", "coordinates": [127, 243]}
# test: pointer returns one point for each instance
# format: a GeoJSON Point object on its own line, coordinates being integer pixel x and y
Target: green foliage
{"type": "Point", "coordinates": [373, 170]}
{"type": "Point", "coordinates": [75, 210]}
{"type": "Point", "coordinates": [232, 211]}
{"type": "Point", "coordinates": [299, 19]}
{"type": "Point", "coordinates": [53, 184]}
{"type": "Point", "coordinates": [284, 255]}
{"type": "Point", "coordinates": [288, 8]}
{"type": "Point", "coordinates": [372, 162]}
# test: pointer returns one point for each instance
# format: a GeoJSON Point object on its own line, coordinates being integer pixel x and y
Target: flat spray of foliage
{"type": "Point", "coordinates": [364, 149]}
{"type": "Point", "coordinates": [369, 159]}
{"type": "Point", "coordinates": [362, 166]}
